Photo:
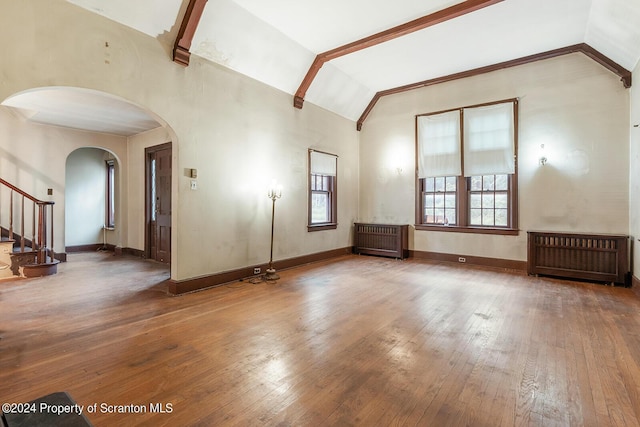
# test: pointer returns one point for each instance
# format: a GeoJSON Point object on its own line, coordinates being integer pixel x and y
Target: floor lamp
{"type": "Point", "coordinates": [275, 192]}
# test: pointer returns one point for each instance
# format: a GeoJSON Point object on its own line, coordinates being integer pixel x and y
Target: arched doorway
{"type": "Point", "coordinates": [92, 200]}
{"type": "Point", "coordinates": [87, 128]}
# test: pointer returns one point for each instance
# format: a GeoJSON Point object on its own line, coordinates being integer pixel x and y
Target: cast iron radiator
{"type": "Point", "coordinates": [599, 257]}
{"type": "Point", "coordinates": [381, 239]}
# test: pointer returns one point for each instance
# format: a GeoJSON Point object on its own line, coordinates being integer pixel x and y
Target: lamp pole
{"type": "Point", "coordinates": [275, 192]}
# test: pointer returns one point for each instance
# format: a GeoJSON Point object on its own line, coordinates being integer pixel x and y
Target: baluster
{"type": "Point", "coordinates": [33, 227]}
{"type": "Point", "coordinates": [11, 216]}
{"type": "Point", "coordinates": [22, 226]}
{"type": "Point", "coordinates": [40, 233]}
{"type": "Point", "coordinates": [52, 250]}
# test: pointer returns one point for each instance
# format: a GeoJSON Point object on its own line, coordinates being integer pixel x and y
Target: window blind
{"type": "Point", "coordinates": [323, 163]}
{"type": "Point", "coordinates": [489, 146]}
{"type": "Point", "coordinates": [439, 145]}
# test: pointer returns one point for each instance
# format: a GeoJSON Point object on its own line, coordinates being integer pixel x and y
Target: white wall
{"type": "Point", "coordinates": [572, 105]}
{"type": "Point", "coordinates": [236, 131]}
{"type": "Point", "coordinates": [85, 196]}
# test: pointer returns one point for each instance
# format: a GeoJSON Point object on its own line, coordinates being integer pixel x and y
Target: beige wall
{"type": "Point", "coordinates": [634, 171]}
{"type": "Point", "coordinates": [575, 107]}
{"type": "Point", "coordinates": [33, 157]}
{"type": "Point", "coordinates": [237, 132]}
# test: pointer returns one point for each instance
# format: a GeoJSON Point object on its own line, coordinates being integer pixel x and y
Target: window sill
{"type": "Point", "coordinates": [476, 230]}
{"type": "Point", "coordinates": [320, 227]}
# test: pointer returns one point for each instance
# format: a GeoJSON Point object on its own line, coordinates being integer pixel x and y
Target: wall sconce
{"type": "Point", "coordinates": [274, 193]}
{"type": "Point", "coordinates": [543, 159]}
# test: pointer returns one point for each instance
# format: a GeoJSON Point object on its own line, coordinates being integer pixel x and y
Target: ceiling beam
{"type": "Point", "coordinates": [625, 75]}
{"type": "Point", "coordinates": [384, 36]}
{"type": "Point", "coordinates": [190, 21]}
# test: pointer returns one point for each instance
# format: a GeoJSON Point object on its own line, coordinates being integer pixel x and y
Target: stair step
{"type": "Point", "coordinates": [39, 270]}
{"type": "Point", "coordinates": [16, 249]}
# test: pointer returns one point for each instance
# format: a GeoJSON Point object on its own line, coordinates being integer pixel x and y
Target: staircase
{"type": "Point", "coordinates": [23, 215]}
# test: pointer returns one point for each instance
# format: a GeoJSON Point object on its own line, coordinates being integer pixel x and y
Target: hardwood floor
{"type": "Point", "coordinates": [357, 341]}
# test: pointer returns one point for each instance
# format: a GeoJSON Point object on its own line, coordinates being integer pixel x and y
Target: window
{"type": "Point", "coordinates": [110, 211]}
{"type": "Point", "coordinates": [489, 200]}
{"type": "Point", "coordinates": [322, 191]}
{"type": "Point", "coordinates": [467, 169]}
{"type": "Point", "coordinates": [439, 200]}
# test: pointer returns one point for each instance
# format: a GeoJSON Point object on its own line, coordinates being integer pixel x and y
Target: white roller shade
{"type": "Point", "coordinates": [489, 144]}
{"type": "Point", "coordinates": [323, 163]}
{"type": "Point", "coordinates": [439, 145]}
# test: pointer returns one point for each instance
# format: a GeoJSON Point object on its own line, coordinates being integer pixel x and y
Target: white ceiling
{"type": "Point", "coordinates": [81, 109]}
{"type": "Point", "coordinates": [276, 41]}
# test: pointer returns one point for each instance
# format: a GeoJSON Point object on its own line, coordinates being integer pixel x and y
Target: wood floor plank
{"type": "Point", "coordinates": [352, 341]}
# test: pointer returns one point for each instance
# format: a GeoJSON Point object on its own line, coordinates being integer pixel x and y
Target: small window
{"type": "Point", "coordinates": [110, 214]}
{"type": "Point", "coordinates": [322, 191]}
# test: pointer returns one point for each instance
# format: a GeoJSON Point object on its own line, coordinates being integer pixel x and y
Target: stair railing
{"type": "Point", "coordinates": [41, 231]}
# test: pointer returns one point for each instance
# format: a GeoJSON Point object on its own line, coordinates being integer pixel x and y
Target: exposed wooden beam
{"type": "Point", "coordinates": [384, 36]}
{"type": "Point", "coordinates": [181, 53]}
{"type": "Point", "coordinates": [625, 75]}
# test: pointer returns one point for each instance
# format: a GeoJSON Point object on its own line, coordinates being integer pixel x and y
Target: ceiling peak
{"type": "Point", "coordinates": [384, 36]}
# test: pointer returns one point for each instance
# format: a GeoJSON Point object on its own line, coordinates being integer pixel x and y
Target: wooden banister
{"type": "Point", "coordinates": [25, 194]}
{"type": "Point", "coordinates": [41, 230]}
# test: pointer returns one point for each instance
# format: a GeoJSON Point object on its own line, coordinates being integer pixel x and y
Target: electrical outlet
{"type": "Point", "coordinates": [256, 270]}
{"type": "Point", "coordinates": [462, 259]}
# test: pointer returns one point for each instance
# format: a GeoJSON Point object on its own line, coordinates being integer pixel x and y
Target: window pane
{"type": "Point", "coordinates": [502, 200]}
{"type": "Point", "coordinates": [487, 201]}
{"type": "Point", "coordinates": [319, 208]}
{"type": "Point", "coordinates": [439, 200]}
{"type": "Point", "coordinates": [487, 217]}
{"type": "Point", "coordinates": [439, 216]}
{"type": "Point", "coordinates": [440, 183]}
{"type": "Point", "coordinates": [451, 183]}
{"type": "Point", "coordinates": [476, 201]}
{"type": "Point", "coordinates": [428, 215]}
{"type": "Point", "coordinates": [450, 215]}
{"type": "Point", "coordinates": [450, 201]}
{"type": "Point", "coordinates": [429, 185]}
{"type": "Point", "coordinates": [488, 182]}
{"type": "Point", "coordinates": [476, 217]}
{"type": "Point", "coordinates": [428, 200]}
{"type": "Point", "coordinates": [501, 183]}
{"type": "Point", "coordinates": [501, 217]}
{"type": "Point", "coordinates": [476, 183]}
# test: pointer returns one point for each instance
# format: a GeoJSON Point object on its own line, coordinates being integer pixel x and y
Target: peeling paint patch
{"type": "Point", "coordinates": [209, 50]}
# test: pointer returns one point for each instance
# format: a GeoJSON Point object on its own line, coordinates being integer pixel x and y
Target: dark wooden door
{"type": "Point", "coordinates": [159, 203]}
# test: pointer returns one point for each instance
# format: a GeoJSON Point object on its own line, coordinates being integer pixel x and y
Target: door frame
{"type": "Point", "coordinates": [147, 194]}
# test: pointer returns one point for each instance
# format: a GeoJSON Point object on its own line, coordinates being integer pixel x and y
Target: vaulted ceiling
{"type": "Point", "coordinates": [277, 41]}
